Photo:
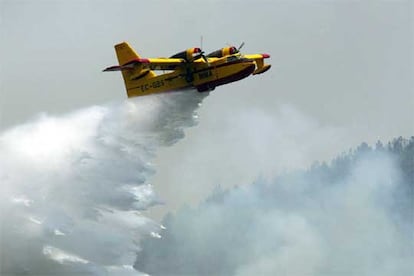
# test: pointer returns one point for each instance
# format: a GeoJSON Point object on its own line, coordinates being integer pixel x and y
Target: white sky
{"type": "Point", "coordinates": [339, 61]}
{"type": "Point", "coordinates": [342, 65]}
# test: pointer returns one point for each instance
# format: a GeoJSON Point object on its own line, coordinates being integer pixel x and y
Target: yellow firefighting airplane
{"type": "Point", "coordinates": [186, 69]}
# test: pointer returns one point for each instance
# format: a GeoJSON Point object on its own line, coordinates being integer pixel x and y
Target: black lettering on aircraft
{"type": "Point", "coordinates": [144, 87]}
{"type": "Point", "coordinates": [155, 84]}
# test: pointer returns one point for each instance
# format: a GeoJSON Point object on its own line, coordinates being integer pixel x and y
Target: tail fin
{"type": "Point", "coordinates": [125, 53]}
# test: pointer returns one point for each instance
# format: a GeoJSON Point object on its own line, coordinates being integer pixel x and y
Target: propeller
{"type": "Point", "coordinates": [241, 46]}
{"type": "Point", "coordinates": [202, 53]}
{"type": "Point", "coordinates": [204, 58]}
{"type": "Point", "coordinates": [234, 50]}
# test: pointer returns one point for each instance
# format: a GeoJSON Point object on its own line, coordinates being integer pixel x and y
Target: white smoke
{"type": "Point", "coordinates": [351, 220]}
{"type": "Point", "coordinates": [72, 186]}
{"type": "Point", "coordinates": [237, 144]}
{"type": "Point", "coordinates": [340, 228]}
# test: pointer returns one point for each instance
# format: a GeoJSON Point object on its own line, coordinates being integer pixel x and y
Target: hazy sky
{"type": "Point", "coordinates": [342, 71]}
{"type": "Point", "coordinates": [343, 62]}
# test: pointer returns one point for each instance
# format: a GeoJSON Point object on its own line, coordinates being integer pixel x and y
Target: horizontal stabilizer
{"type": "Point", "coordinates": [127, 66]}
{"type": "Point", "coordinates": [114, 68]}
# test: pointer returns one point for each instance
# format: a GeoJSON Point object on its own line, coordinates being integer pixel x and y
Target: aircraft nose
{"type": "Point", "coordinates": [250, 67]}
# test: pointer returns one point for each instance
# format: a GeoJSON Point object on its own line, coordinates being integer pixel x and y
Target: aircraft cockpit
{"type": "Point", "coordinates": [232, 58]}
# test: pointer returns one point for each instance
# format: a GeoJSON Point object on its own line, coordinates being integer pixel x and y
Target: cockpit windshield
{"type": "Point", "coordinates": [232, 58]}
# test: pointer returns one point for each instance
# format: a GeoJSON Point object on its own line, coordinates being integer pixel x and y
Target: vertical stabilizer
{"type": "Point", "coordinates": [132, 78]}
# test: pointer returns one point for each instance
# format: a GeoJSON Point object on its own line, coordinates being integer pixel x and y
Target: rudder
{"type": "Point", "coordinates": [125, 53]}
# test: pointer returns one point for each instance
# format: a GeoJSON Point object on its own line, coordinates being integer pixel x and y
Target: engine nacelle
{"type": "Point", "coordinates": [223, 52]}
{"type": "Point", "coordinates": [188, 54]}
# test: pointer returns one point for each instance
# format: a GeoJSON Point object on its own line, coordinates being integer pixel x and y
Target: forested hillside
{"type": "Point", "coordinates": [352, 216]}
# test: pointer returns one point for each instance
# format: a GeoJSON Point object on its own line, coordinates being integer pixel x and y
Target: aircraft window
{"type": "Point", "coordinates": [231, 58]}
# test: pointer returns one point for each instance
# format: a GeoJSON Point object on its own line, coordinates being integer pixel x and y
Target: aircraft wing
{"type": "Point", "coordinates": [150, 63]}
{"type": "Point", "coordinates": [164, 63]}
{"type": "Point", "coordinates": [257, 56]}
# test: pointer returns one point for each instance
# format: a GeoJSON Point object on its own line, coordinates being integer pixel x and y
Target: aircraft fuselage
{"type": "Point", "coordinates": [202, 79]}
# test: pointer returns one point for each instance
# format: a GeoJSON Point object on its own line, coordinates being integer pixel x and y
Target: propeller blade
{"type": "Point", "coordinates": [241, 46]}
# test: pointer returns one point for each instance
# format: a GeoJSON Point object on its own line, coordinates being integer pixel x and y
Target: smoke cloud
{"type": "Point", "coordinates": [72, 186]}
{"type": "Point", "coordinates": [353, 217]}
